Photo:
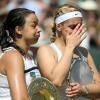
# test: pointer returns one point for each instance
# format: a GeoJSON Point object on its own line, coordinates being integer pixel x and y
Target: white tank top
{"type": "Point", "coordinates": [31, 71]}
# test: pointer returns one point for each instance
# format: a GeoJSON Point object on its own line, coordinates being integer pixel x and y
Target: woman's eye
{"type": "Point", "coordinates": [33, 26]}
{"type": "Point", "coordinates": [73, 27]}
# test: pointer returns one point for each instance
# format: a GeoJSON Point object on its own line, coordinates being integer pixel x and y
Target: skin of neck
{"type": "Point", "coordinates": [23, 45]}
{"type": "Point", "coordinates": [60, 43]}
{"type": "Point", "coordinates": [60, 40]}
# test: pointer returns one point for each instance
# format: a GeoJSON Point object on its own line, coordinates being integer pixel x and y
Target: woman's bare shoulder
{"type": "Point", "coordinates": [12, 57]}
{"type": "Point", "coordinates": [46, 52]}
{"type": "Point", "coordinates": [11, 60]}
{"type": "Point", "coordinates": [11, 54]}
{"type": "Point", "coordinates": [45, 48]}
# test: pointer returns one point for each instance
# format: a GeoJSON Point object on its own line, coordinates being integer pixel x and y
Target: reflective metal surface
{"type": "Point", "coordinates": [42, 89]}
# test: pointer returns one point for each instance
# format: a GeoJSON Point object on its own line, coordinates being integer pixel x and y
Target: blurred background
{"type": "Point", "coordinates": [45, 10]}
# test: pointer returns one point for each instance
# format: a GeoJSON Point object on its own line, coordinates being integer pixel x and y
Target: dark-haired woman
{"type": "Point", "coordinates": [17, 33]}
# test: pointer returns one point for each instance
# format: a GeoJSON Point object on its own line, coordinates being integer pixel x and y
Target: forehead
{"type": "Point", "coordinates": [75, 20]}
{"type": "Point", "coordinates": [31, 18]}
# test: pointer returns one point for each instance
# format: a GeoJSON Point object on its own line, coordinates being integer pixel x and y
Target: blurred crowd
{"type": "Point", "coordinates": [45, 11]}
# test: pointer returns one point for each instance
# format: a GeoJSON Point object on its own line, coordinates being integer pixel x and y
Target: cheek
{"type": "Point", "coordinates": [28, 34]}
{"type": "Point", "coordinates": [68, 31]}
{"type": "Point", "coordinates": [65, 32]}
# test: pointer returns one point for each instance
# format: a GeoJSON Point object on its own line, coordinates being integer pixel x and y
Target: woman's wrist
{"type": "Point", "coordinates": [85, 90]}
{"type": "Point", "coordinates": [70, 48]}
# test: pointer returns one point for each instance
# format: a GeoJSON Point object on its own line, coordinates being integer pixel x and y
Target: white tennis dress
{"type": "Point", "coordinates": [31, 71]}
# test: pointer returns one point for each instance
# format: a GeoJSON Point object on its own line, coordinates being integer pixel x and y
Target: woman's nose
{"type": "Point", "coordinates": [38, 29]}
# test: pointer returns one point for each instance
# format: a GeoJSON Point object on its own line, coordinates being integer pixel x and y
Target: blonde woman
{"type": "Point", "coordinates": [55, 60]}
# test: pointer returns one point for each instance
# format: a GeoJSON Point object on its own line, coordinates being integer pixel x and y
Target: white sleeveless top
{"type": "Point", "coordinates": [31, 71]}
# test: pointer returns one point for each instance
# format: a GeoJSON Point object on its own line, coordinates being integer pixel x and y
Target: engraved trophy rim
{"type": "Point", "coordinates": [40, 85]}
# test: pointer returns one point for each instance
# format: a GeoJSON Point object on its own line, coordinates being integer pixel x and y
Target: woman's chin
{"type": "Point", "coordinates": [34, 41]}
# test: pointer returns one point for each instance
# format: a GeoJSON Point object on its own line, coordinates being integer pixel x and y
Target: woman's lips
{"type": "Point", "coordinates": [37, 35]}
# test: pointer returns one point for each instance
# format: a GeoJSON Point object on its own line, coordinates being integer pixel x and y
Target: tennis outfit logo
{"type": "Point", "coordinates": [76, 14]}
{"type": "Point", "coordinates": [33, 74]}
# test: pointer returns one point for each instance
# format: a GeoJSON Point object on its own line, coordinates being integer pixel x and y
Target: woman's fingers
{"type": "Point", "coordinates": [83, 36]}
{"type": "Point", "coordinates": [72, 93]}
{"type": "Point", "coordinates": [73, 90]}
{"type": "Point", "coordinates": [76, 29]}
{"type": "Point", "coordinates": [77, 36]}
{"type": "Point", "coordinates": [80, 29]}
{"type": "Point", "coordinates": [81, 33]}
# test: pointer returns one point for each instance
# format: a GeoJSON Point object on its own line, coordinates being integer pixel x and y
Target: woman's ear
{"type": "Point", "coordinates": [18, 30]}
{"type": "Point", "coordinates": [59, 27]}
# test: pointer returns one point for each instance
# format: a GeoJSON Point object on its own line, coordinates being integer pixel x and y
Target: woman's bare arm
{"type": "Point", "coordinates": [14, 68]}
{"type": "Point", "coordinates": [50, 67]}
{"type": "Point", "coordinates": [91, 90]}
{"type": "Point", "coordinates": [95, 87]}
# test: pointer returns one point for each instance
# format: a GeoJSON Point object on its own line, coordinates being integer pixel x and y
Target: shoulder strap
{"type": "Point", "coordinates": [56, 49]}
{"type": "Point", "coordinates": [6, 50]}
{"type": "Point", "coordinates": [30, 69]}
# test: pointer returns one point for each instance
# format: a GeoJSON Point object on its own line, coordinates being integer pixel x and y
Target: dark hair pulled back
{"type": "Point", "coordinates": [15, 17]}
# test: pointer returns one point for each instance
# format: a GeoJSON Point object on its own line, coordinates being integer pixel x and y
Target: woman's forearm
{"type": "Point", "coordinates": [61, 69]}
{"type": "Point", "coordinates": [92, 90]}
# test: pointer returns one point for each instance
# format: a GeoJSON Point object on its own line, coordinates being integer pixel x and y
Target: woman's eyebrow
{"type": "Point", "coordinates": [35, 22]}
{"type": "Point", "coordinates": [75, 24]}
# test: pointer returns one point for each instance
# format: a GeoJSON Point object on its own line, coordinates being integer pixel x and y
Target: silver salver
{"type": "Point", "coordinates": [42, 89]}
